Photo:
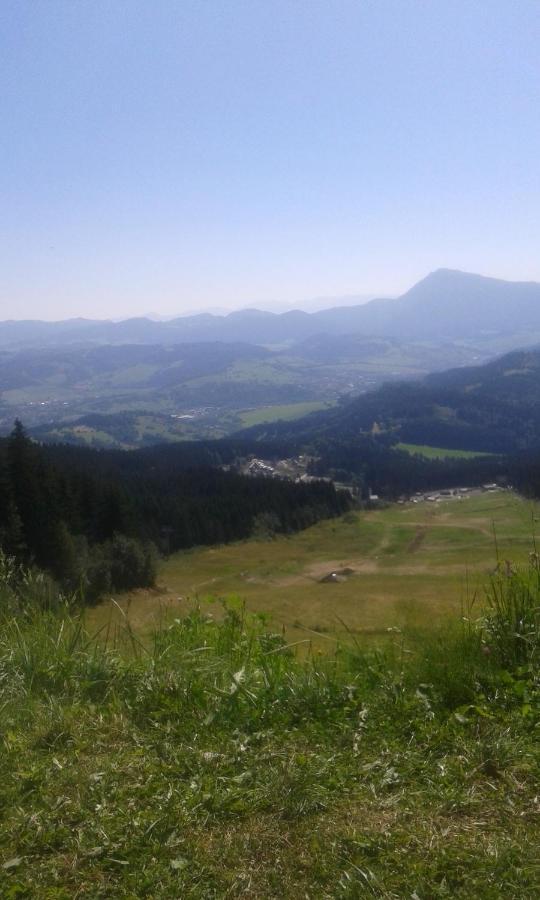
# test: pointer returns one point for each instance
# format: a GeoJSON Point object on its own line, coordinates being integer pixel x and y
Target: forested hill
{"type": "Point", "coordinates": [94, 519]}
{"type": "Point", "coordinates": [489, 408]}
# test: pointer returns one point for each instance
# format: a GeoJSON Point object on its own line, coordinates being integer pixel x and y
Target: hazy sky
{"type": "Point", "coordinates": [177, 154]}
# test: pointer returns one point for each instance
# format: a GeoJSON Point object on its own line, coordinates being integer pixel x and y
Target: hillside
{"type": "Point", "coordinates": [88, 393]}
{"type": "Point", "coordinates": [95, 520]}
{"type": "Point", "coordinates": [493, 408]}
{"type": "Point", "coordinates": [214, 758]}
{"type": "Point", "coordinates": [399, 566]}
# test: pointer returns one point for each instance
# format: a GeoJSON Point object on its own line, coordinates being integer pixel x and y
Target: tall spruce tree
{"type": "Point", "coordinates": [11, 528]}
{"type": "Point", "coordinates": [23, 475]}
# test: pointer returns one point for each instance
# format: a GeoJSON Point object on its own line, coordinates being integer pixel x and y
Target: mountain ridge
{"type": "Point", "coordinates": [446, 304]}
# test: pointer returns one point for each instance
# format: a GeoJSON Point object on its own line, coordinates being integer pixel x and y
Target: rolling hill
{"type": "Point", "coordinates": [202, 389]}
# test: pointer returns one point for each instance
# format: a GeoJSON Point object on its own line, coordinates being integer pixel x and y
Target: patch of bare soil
{"type": "Point", "coordinates": [465, 525]}
{"type": "Point", "coordinates": [347, 567]}
{"type": "Point", "coordinates": [418, 539]}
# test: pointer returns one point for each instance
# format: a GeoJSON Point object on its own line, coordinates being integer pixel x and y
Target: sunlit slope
{"type": "Point", "coordinates": [407, 564]}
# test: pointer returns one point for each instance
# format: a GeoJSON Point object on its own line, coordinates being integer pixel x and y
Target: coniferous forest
{"type": "Point", "coordinates": [96, 521]}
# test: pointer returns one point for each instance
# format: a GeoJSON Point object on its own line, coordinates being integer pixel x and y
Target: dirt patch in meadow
{"type": "Point", "coordinates": [347, 567]}
{"type": "Point", "coordinates": [358, 567]}
{"type": "Point", "coordinates": [418, 539]}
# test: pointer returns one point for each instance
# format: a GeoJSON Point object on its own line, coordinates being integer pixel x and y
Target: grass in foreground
{"type": "Point", "coordinates": [217, 763]}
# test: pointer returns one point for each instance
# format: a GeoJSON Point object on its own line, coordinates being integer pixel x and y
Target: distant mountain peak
{"type": "Point", "coordinates": [447, 304]}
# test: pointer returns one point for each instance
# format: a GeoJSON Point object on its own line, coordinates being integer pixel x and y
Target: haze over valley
{"type": "Point", "coordinates": [140, 381]}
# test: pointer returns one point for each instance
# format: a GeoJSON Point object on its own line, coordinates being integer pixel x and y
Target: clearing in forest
{"type": "Point", "coordinates": [403, 565]}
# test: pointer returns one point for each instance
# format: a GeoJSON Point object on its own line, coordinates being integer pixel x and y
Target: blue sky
{"type": "Point", "coordinates": [179, 155]}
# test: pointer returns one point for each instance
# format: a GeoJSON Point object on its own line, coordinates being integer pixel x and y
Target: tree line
{"type": "Point", "coordinates": [96, 520]}
{"type": "Point", "coordinates": [374, 464]}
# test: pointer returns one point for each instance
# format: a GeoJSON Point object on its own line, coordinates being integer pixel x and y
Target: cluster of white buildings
{"type": "Point", "coordinates": [450, 493]}
{"type": "Point", "coordinates": [294, 469]}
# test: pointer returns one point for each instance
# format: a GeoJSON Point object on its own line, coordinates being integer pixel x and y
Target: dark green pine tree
{"type": "Point", "coordinates": [62, 556]}
{"type": "Point", "coordinates": [33, 490]}
{"type": "Point", "coordinates": [11, 528]}
{"type": "Point", "coordinates": [114, 514]}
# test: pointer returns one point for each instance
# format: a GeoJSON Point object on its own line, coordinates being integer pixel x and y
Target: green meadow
{"type": "Point", "coordinates": [285, 412]}
{"type": "Point", "coordinates": [400, 566]}
{"type": "Point", "coordinates": [439, 452]}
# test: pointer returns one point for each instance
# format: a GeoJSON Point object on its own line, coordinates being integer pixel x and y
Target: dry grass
{"type": "Point", "coordinates": [411, 563]}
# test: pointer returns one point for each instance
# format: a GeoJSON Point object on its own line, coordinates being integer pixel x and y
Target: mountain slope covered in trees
{"type": "Point", "coordinates": [94, 520]}
{"type": "Point", "coordinates": [494, 408]}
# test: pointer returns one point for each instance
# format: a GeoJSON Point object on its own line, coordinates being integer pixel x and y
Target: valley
{"type": "Point", "coordinates": [199, 390]}
{"type": "Point", "coordinates": [136, 382]}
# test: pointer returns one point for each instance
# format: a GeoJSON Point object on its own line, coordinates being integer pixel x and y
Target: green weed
{"type": "Point", "coordinates": [512, 622]}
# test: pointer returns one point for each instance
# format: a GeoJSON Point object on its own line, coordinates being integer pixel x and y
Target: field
{"type": "Point", "coordinates": [439, 452]}
{"type": "Point", "coordinates": [285, 412]}
{"type": "Point", "coordinates": [406, 565]}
